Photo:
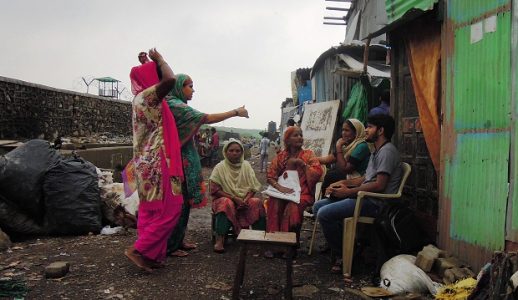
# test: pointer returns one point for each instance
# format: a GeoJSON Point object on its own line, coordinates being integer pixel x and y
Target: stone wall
{"type": "Point", "coordinates": [30, 110]}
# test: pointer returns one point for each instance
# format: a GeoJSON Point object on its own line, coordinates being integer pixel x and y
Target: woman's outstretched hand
{"type": "Point", "coordinates": [242, 112]}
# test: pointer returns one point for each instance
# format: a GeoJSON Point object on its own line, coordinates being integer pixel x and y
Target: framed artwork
{"type": "Point", "coordinates": [318, 124]}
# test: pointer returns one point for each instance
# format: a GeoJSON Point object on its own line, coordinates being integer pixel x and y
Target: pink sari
{"type": "Point", "coordinates": [157, 165]}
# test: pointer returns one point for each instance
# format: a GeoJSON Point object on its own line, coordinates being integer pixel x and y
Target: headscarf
{"type": "Point", "coordinates": [236, 179]}
{"type": "Point", "coordinates": [177, 91]}
{"type": "Point", "coordinates": [289, 131]}
{"type": "Point", "coordinates": [360, 137]}
{"type": "Point", "coordinates": [143, 76]}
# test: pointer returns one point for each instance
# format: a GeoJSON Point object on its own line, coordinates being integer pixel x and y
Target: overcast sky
{"type": "Point", "coordinates": [238, 52]}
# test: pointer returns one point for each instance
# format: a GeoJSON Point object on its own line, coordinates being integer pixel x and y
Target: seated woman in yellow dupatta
{"type": "Point", "coordinates": [233, 186]}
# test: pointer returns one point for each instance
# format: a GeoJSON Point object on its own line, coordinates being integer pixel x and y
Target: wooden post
{"type": "Point", "coordinates": [366, 56]}
{"type": "Point", "coordinates": [240, 272]}
{"type": "Point", "coordinates": [289, 273]}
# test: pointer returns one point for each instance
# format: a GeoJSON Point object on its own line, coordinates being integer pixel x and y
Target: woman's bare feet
{"type": "Point", "coordinates": [137, 259]}
{"type": "Point", "coordinates": [188, 246]}
{"type": "Point", "coordinates": [219, 245]}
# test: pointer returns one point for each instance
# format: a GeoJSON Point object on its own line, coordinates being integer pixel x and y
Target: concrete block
{"type": "Point", "coordinates": [425, 261]}
{"type": "Point", "coordinates": [57, 269]}
{"type": "Point", "coordinates": [449, 276]}
{"type": "Point", "coordinates": [459, 274]}
{"type": "Point", "coordinates": [442, 264]}
{"type": "Point", "coordinates": [426, 257]}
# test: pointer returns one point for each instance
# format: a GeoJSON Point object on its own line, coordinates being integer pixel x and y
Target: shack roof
{"type": "Point", "coordinates": [354, 53]}
{"type": "Point", "coordinates": [107, 79]}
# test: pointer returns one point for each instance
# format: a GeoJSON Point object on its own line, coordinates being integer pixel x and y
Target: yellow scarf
{"type": "Point", "coordinates": [236, 179]}
{"type": "Point", "coordinates": [360, 138]}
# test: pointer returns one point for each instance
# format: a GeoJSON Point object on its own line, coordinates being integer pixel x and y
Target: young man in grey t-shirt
{"type": "Point", "coordinates": [383, 175]}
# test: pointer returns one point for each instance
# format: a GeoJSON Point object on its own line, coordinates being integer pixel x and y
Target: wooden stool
{"type": "Point", "coordinates": [246, 237]}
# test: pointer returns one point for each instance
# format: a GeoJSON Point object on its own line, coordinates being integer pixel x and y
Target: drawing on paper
{"type": "Point", "coordinates": [318, 124]}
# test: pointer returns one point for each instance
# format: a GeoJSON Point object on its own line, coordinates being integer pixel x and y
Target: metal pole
{"type": "Point", "coordinates": [337, 8]}
{"type": "Point", "coordinates": [331, 23]}
{"type": "Point", "coordinates": [334, 18]}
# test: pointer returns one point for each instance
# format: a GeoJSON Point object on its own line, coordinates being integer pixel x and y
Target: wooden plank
{"type": "Point", "coordinates": [260, 236]}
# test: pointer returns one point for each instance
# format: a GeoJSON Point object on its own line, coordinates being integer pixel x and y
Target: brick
{"type": "Point", "coordinates": [449, 277]}
{"type": "Point", "coordinates": [426, 257]}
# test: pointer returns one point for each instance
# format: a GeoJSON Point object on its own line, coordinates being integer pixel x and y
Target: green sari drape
{"type": "Point", "coordinates": [188, 121]}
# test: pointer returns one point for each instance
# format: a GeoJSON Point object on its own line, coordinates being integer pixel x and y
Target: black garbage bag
{"type": "Point", "coordinates": [72, 199]}
{"type": "Point", "coordinates": [15, 223]}
{"type": "Point", "coordinates": [21, 176]}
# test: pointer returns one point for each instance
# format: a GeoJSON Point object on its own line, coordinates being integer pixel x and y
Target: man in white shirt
{"type": "Point", "coordinates": [263, 148]}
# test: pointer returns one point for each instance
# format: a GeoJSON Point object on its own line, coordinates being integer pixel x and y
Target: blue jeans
{"type": "Point", "coordinates": [331, 215]}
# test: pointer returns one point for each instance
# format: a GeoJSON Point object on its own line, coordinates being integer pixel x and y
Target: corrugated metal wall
{"type": "Point", "coordinates": [330, 85]}
{"type": "Point", "coordinates": [512, 204]}
{"type": "Point", "coordinates": [398, 8]}
{"type": "Point", "coordinates": [476, 133]}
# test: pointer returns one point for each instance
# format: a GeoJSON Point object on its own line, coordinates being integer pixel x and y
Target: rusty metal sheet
{"type": "Point", "coordinates": [396, 9]}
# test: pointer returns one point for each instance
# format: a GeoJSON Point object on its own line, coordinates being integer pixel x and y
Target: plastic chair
{"type": "Point", "coordinates": [349, 233]}
{"type": "Point", "coordinates": [318, 196]}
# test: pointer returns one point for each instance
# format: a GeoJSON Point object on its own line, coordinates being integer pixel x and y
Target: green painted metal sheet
{"type": "Point", "coordinates": [512, 222]}
{"type": "Point", "coordinates": [461, 11]}
{"type": "Point", "coordinates": [396, 9]}
{"type": "Point", "coordinates": [482, 78]}
{"type": "Point", "coordinates": [477, 122]}
{"type": "Point", "coordinates": [477, 184]}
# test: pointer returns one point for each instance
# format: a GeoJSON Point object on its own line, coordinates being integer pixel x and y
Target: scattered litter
{"type": "Point", "coordinates": [107, 230]}
{"type": "Point", "coordinates": [376, 292]}
{"type": "Point", "coordinates": [305, 291]}
{"type": "Point", "coordinates": [459, 290]}
{"type": "Point", "coordinates": [335, 289]}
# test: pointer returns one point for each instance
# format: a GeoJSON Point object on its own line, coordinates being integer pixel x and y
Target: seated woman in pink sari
{"type": "Point", "coordinates": [233, 185]}
{"type": "Point", "coordinates": [157, 162]}
{"type": "Point", "coordinates": [284, 215]}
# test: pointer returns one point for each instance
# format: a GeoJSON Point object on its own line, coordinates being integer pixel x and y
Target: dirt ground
{"type": "Point", "coordinates": [99, 270]}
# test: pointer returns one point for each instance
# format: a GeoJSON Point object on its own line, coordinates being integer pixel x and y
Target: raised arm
{"type": "Point", "coordinates": [218, 117]}
{"type": "Point", "coordinates": [165, 73]}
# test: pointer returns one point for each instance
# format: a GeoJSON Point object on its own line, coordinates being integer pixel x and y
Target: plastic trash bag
{"type": "Point", "coordinates": [13, 222]}
{"type": "Point", "coordinates": [22, 173]}
{"type": "Point", "coordinates": [72, 198]}
{"type": "Point", "coordinates": [400, 275]}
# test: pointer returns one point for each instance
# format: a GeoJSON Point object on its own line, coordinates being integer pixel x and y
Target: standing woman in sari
{"type": "Point", "coordinates": [157, 162]}
{"type": "Point", "coordinates": [284, 215]}
{"type": "Point", "coordinates": [188, 121]}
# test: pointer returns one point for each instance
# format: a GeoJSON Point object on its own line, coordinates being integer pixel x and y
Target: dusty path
{"type": "Point", "coordinates": [99, 270]}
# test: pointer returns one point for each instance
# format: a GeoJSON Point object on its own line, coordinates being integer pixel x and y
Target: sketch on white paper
{"type": "Point", "coordinates": [318, 124]}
